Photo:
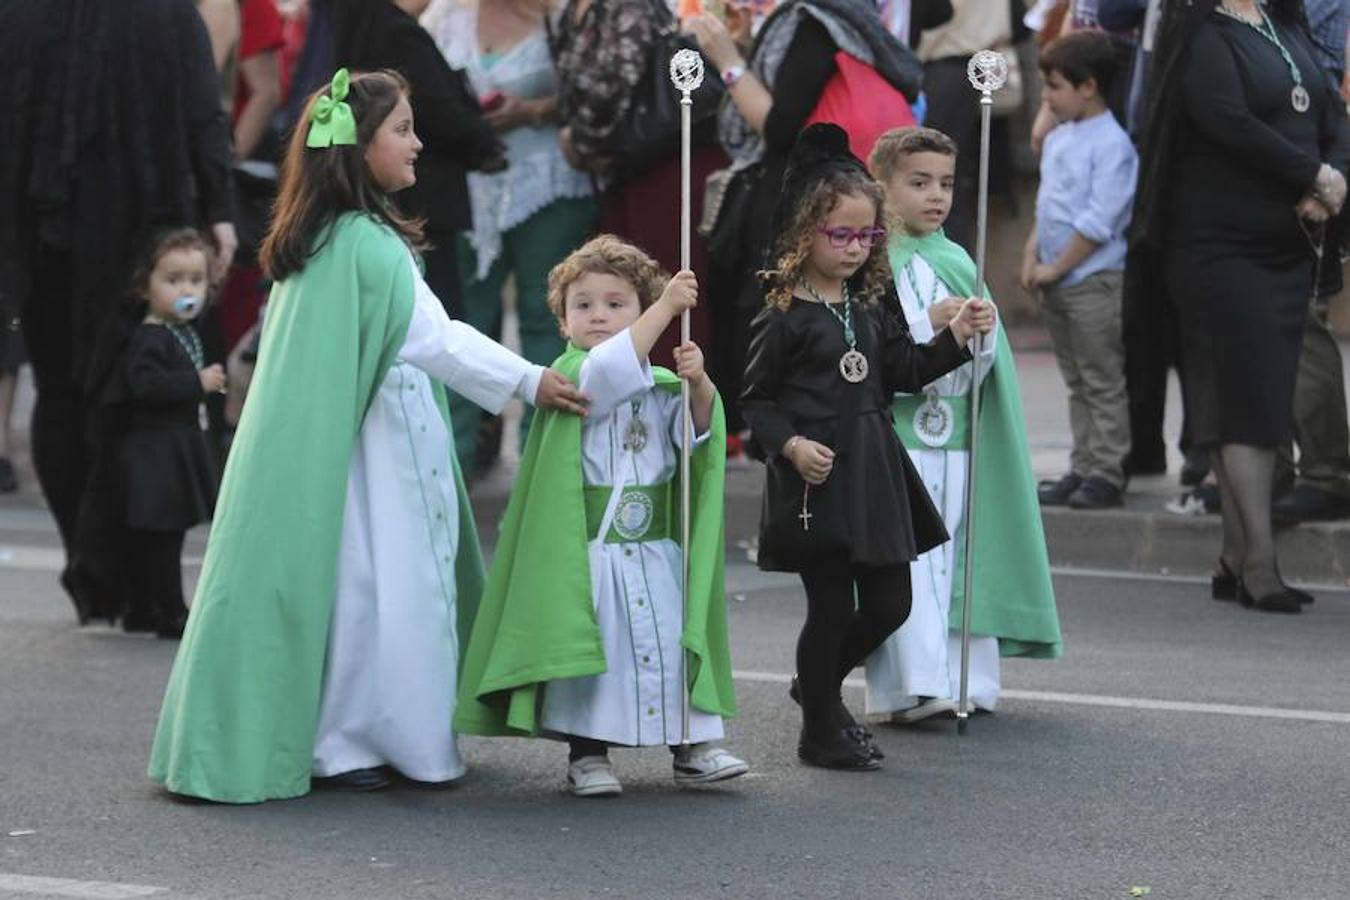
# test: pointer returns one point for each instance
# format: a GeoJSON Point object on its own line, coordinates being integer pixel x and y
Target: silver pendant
{"type": "Point", "coordinates": [853, 366]}
{"type": "Point", "coordinates": [934, 421]}
{"type": "Point", "coordinates": [202, 418]}
{"type": "Point", "coordinates": [635, 435]}
{"type": "Point", "coordinates": [1299, 99]}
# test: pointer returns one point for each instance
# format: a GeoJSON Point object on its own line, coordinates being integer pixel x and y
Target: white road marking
{"type": "Point", "coordinates": [69, 887]}
{"type": "Point", "coordinates": [1221, 709]}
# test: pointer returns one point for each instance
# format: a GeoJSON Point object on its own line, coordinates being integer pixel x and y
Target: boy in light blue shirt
{"type": "Point", "coordinates": [1075, 258]}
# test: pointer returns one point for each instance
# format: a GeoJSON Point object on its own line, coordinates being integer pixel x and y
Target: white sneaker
{"type": "Point", "coordinates": [593, 776]}
{"type": "Point", "coordinates": [932, 706]}
{"type": "Point", "coordinates": [706, 763]}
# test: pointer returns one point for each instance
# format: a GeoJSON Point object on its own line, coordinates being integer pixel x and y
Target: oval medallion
{"type": "Point", "coordinates": [934, 421]}
{"type": "Point", "coordinates": [853, 366]}
{"type": "Point", "coordinates": [633, 518]}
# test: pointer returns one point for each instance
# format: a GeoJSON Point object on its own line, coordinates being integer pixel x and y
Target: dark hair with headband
{"type": "Point", "coordinates": [319, 183]}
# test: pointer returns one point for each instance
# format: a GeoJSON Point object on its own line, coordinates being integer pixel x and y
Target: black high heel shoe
{"type": "Point", "coordinates": [1223, 585]}
{"type": "Point", "coordinates": [857, 732]}
{"type": "Point", "coordinates": [1281, 601]}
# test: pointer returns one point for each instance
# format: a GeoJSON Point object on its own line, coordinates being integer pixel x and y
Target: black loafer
{"type": "Point", "coordinates": [1057, 493]}
{"type": "Point", "coordinates": [1096, 493]}
{"type": "Point", "coordinates": [355, 780]}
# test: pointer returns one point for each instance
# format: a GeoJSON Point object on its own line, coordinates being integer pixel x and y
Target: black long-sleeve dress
{"type": "Point", "coordinates": [873, 509]}
{"type": "Point", "coordinates": [169, 475]}
{"type": "Point", "coordinates": [1238, 262]}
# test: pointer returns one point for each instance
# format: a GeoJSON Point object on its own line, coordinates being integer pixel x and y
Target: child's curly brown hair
{"type": "Point", "coordinates": [606, 255]}
{"type": "Point", "coordinates": [792, 247]}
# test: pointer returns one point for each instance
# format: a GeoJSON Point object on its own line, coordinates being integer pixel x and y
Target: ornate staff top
{"type": "Point", "coordinates": [987, 71]}
{"type": "Point", "coordinates": [686, 70]}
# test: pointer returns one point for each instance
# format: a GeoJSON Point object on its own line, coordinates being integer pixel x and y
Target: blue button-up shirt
{"type": "Point", "coordinates": [1088, 173]}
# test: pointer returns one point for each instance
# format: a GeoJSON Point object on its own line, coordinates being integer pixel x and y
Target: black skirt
{"type": "Point", "coordinates": [873, 510]}
{"type": "Point", "coordinates": [169, 473]}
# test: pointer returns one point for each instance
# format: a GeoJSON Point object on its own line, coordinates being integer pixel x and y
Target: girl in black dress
{"type": "Point", "coordinates": [168, 473]}
{"type": "Point", "coordinates": [843, 505]}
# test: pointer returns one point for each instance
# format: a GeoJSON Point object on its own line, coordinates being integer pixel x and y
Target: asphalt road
{"type": "Point", "coordinates": [1181, 747]}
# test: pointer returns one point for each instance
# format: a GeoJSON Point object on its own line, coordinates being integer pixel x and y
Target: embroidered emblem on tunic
{"type": "Point", "coordinates": [633, 518]}
{"type": "Point", "coordinates": [934, 421]}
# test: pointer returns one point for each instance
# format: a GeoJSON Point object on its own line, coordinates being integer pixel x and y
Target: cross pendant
{"type": "Point", "coordinates": [804, 515]}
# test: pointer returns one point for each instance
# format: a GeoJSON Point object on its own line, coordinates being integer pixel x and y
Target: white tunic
{"type": "Point", "coordinates": [923, 658]}
{"type": "Point", "coordinates": [393, 651]}
{"type": "Point", "coordinates": [638, 701]}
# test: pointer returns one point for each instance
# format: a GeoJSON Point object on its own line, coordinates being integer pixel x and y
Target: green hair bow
{"type": "Point", "coordinates": [331, 120]}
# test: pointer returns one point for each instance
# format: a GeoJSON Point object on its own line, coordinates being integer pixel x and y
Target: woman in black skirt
{"type": "Point", "coordinates": [1244, 155]}
{"type": "Point", "coordinates": [843, 504]}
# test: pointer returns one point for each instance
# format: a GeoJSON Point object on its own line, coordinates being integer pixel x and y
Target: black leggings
{"type": "Point", "coordinates": [850, 611]}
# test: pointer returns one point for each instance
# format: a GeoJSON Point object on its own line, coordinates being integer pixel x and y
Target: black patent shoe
{"type": "Point", "coordinates": [1057, 493]}
{"type": "Point", "coordinates": [1281, 601]}
{"type": "Point", "coordinates": [170, 628]}
{"type": "Point", "coordinates": [839, 751]}
{"type": "Point", "coordinates": [857, 732]}
{"type": "Point", "coordinates": [355, 780]}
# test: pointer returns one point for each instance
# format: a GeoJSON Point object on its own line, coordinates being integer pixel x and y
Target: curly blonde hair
{"type": "Point", "coordinates": [606, 255]}
{"type": "Point", "coordinates": [792, 247]}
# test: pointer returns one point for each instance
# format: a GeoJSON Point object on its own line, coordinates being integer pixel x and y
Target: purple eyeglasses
{"type": "Point", "coordinates": [842, 236]}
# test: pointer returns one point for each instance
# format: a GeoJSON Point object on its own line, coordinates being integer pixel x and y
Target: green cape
{"type": "Point", "coordinates": [242, 705]}
{"type": "Point", "coordinates": [537, 620]}
{"type": "Point", "coordinates": [1015, 599]}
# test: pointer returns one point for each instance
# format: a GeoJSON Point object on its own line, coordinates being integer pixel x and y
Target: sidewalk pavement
{"type": "Point", "coordinates": [1142, 537]}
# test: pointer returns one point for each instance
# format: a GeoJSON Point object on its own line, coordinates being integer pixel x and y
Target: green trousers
{"type": "Point", "coordinates": [529, 252]}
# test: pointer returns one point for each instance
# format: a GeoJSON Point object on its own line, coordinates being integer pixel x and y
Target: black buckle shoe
{"type": "Point", "coordinates": [859, 734]}
{"type": "Point", "coordinates": [840, 752]}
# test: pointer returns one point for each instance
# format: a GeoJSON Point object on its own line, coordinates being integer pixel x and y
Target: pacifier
{"type": "Point", "coordinates": [187, 306]}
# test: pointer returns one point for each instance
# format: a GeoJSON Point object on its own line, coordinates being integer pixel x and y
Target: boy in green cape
{"type": "Point", "coordinates": [582, 633]}
{"type": "Point", "coordinates": [916, 673]}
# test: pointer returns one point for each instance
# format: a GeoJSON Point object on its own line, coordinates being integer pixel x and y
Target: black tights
{"type": "Point", "coordinates": [154, 560]}
{"type": "Point", "coordinates": [850, 611]}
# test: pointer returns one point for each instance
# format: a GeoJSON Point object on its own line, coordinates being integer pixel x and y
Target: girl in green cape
{"type": "Point", "coordinates": [343, 566]}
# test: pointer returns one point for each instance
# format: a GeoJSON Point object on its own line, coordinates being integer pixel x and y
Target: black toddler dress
{"type": "Point", "coordinates": [873, 510]}
{"type": "Point", "coordinates": [169, 473]}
